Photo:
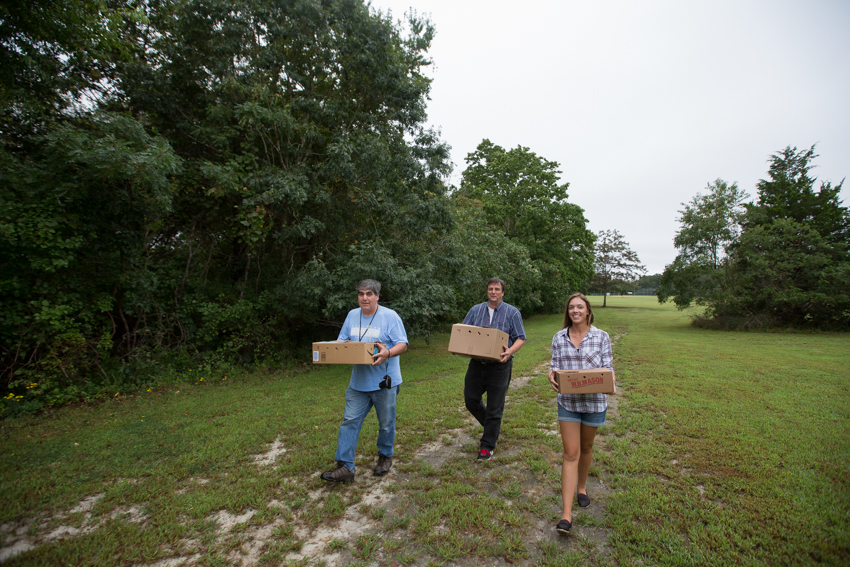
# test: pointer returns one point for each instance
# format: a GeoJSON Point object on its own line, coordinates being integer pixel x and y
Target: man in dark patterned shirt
{"type": "Point", "coordinates": [492, 378]}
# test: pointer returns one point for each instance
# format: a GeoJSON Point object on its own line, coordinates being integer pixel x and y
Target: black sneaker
{"type": "Point", "coordinates": [484, 455]}
{"type": "Point", "coordinates": [384, 465]}
{"type": "Point", "coordinates": [564, 526]}
{"type": "Point", "coordinates": [339, 474]}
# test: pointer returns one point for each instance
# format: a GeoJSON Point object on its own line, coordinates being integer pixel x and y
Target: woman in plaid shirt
{"type": "Point", "coordinates": [578, 346]}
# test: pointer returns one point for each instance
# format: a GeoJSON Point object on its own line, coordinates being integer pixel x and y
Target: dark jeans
{"type": "Point", "coordinates": [492, 378]}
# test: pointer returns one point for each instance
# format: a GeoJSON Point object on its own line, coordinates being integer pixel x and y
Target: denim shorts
{"type": "Point", "coordinates": [589, 419]}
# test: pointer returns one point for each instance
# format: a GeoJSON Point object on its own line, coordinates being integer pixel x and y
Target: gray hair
{"type": "Point", "coordinates": [370, 285]}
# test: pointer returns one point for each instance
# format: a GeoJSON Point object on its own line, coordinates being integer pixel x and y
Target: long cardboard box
{"type": "Point", "coordinates": [588, 381]}
{"type": "Point", "coordinates": [344, 352]}
{"type": "Point", "coordinates": [477, 342]}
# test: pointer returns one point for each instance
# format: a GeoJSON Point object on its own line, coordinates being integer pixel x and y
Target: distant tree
{"type": "Point", "coordinates": [710, 225]}
{"type": "Point", "coordinates": [614, 263]}
{"type": "Point", "coordinates": [648, 281]}
{"type": "Point", "coordinates": [521, 197]}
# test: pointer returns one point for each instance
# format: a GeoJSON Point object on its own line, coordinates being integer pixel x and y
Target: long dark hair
{"type": "Point", "coordinates": [567, 322]}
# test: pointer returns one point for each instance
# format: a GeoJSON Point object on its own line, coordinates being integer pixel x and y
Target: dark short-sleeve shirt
{"type": "Point", "coordinates": [505, 318]}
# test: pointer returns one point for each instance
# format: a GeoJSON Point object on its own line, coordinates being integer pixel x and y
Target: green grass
{"type": "Point", "coordinates": [730, 448]}
{"type": "Point", "coordinates": [734, 447]}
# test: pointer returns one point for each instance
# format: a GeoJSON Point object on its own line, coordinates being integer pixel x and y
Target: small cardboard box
{"type": "Point", "coordinates": [477, 342]}
{"type": "Point", "coordinates": [344, 352]}
{"type": "Point", "coordinates": [588, 381]}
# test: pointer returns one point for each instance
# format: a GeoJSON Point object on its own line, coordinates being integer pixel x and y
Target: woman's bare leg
{"type": "Point", "coordinates": [571, 437]}
{"type": "Point", "coordinates": [588, 434]}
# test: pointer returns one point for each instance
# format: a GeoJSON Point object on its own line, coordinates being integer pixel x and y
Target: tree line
{"type": "Point", "coordinates": [203, 182]}
{"type": "Point", "coordinates": [780, 261]}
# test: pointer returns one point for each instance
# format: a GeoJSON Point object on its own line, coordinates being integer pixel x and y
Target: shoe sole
{"type": "Point", "coordinates": [337, 479]}
{"type": "Point", "coordinates": [562, 531]}
{"type": "Point", "coordinates": [382, 473]}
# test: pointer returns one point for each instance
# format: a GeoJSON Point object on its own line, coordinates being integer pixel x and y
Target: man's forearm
{"type": "Point", "coordinates": [400, 348]}
{"type": "Point", "coordinates": [516, 346]}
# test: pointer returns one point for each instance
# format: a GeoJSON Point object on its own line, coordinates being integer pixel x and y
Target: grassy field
{"type": "Point", "coordinates": [724, 449]}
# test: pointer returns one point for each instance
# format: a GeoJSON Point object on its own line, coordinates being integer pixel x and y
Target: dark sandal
{"type": "Point", "coordinates": [583, 500]}
{"type": "Point", "coordinates": [564, 526]}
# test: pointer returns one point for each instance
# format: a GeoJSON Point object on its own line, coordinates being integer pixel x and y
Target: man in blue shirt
{"type": "Point", "coordinates": [492, 378]}
{"type": "Point", "coordinates": [371, 385]}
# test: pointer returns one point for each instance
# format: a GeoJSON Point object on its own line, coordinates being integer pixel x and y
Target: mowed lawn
{"type": "Point", "coordinates": [729, 449]}
{"type": "Point", "coordinates": [734, 448]}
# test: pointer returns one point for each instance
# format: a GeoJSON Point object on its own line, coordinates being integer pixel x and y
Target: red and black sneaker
{"type": "Point", "coordinates": [484, 455]}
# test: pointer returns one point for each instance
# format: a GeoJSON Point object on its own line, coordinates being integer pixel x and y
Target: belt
{"type": "Point", "coordinates": [491, 361]}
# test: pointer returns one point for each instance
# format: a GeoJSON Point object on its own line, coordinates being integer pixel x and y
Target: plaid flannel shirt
{"type": "Point", "coordinates": [593, 352]}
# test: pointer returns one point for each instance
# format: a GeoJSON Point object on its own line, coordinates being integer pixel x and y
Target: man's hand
{"type": "Point", "coordinates": [553, 380]}
{"type": "Point", "coordinates": [506, 354]}
{"type": "Point", "coordinates": [382, 356]}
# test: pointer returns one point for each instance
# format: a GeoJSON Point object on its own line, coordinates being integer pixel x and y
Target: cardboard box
{"type": "Point", "coordinates": [344, 352]}
{"type": "Point", "coordinates": [588, 381]}
{"type": "Point", "coordinates": [477, 342]}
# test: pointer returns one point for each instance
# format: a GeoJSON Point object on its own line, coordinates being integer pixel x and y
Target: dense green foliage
{"type": "Point", "coordinates": [782, 260]}
{"type": "Point", "coordinates": [522, 200]}
{"type": "Point", "coordinates": [648, 281]}
{"type": "Point", "coordinates": [194, 182]}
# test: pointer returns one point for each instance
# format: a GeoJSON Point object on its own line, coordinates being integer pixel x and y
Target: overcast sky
{"type": "Point", "coordinates": [643, 102]}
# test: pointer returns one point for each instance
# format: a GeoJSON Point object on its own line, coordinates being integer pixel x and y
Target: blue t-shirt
{"type": "Point", "coordinates": [385, 327]}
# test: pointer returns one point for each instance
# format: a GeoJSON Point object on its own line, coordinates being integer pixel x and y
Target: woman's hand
{"type": "Point", "coordinates": [553, 380]}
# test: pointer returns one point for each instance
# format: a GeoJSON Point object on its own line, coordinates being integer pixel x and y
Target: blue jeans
{"type": "Point", "coordinates": [357, 406]}
{"type": "Point", "coordinates": [588, 419]}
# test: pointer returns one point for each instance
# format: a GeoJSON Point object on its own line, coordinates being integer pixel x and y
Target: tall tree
{"type": "Point", "coordinates": [784, 261]}
{"type": "Point", "coordinates": [793, 258]}
{"type": "Point", "coordinates": [710, 226]}
{"type": "Point", "coordinates": [522, 198]}
{"type": "Point", "coordinates": [710, 223]}
{"type": "Point", "coordinates": [789, 193]}
{"type": "Point", "coordinates": [80, 187]}
{"type": "Point", "coordinates": [614, 262]}
{"type": "Point", "coordinates": [301, 127]}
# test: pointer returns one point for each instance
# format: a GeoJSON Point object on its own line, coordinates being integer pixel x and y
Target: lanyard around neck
{"type": "Point", "coordinates": [363, 334]}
